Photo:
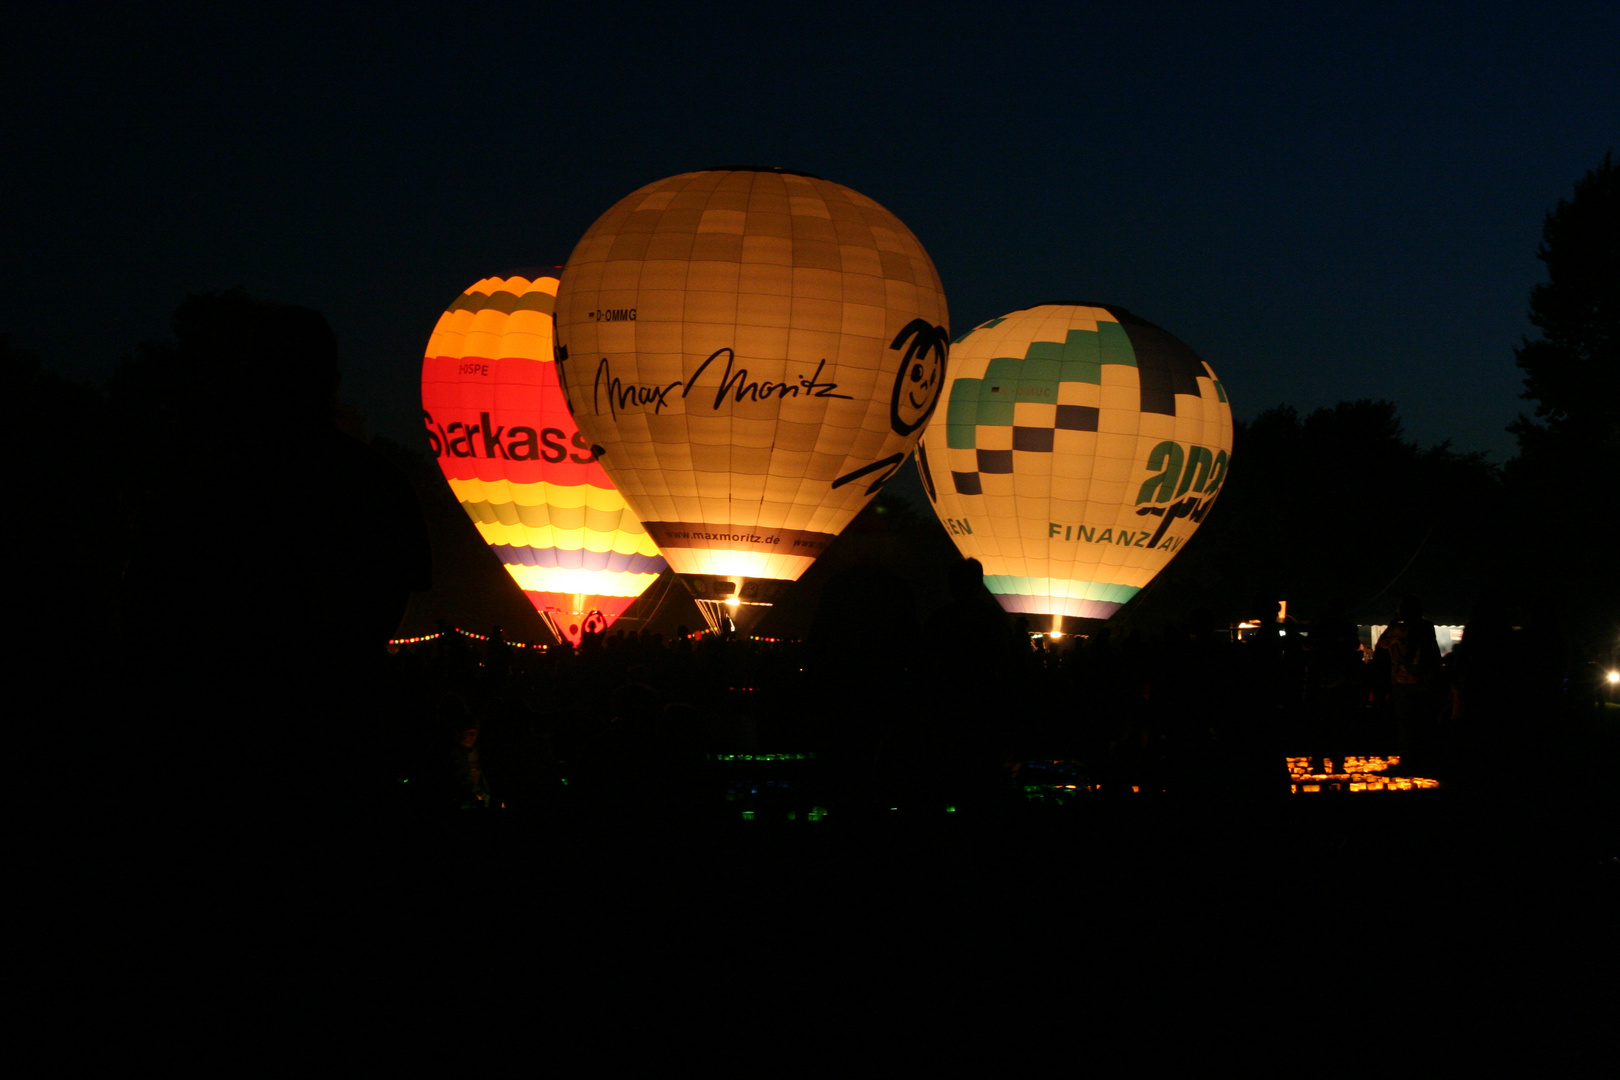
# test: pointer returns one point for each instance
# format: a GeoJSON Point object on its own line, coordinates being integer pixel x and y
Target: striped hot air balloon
{"type": "Point", "coordinates": [1081, 446]}
{"type": "Point", "coordinates": [500, 428]}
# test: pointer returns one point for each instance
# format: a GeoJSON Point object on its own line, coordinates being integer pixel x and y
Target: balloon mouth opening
{"type": "Point", "coordinates": [733, 603]}
{"type": "Point", "coordinates": [732, 616]}
{"type": "Point", "coordinates": [1057, 628]}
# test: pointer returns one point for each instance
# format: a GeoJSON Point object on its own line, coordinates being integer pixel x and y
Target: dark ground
{"type": "Point", "coordinates": [638, 891]}
{"type": "Point", "coordinates": [1373, 910]}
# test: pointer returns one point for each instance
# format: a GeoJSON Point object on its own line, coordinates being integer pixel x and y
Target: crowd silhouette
{"type": "Point", "coordinates": [946, 710]}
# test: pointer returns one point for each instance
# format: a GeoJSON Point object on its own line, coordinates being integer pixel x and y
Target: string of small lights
{"type": "Point", "coordinates": [509, 644]}
{"type": "Point", "coordinates": [465, 633]}
{"type": "Point", "coordinates": [414, 640]}
{"type": "Point", "coordinates": [737, 637]}
{"type": "Point", "coordinates": [473, 634]}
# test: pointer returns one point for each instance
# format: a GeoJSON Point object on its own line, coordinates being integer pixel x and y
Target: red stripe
{"type": "Point", "coordinates": [521, 396]}
{"type": "Point", "coordinates": [611, 606]}
{"type": "Point", "coordinates": [568, 622]}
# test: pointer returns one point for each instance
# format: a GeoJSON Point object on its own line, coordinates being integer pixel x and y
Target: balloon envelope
{"type": "Point", "coordinates": [757, 351]}
{"type": "Point", "coordinates": [1080, 448]}
{"type": "Point", "coordinates": [499, 426]}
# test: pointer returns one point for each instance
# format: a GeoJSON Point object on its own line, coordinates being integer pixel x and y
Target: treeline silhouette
{"type": "Point", "coordinates": [242, 558]}
{"type": "Point", "coordinates": [230, 768]}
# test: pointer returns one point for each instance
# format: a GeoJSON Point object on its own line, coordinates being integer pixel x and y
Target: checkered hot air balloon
{"type": "Point", "coordinates": [1080, 447]}
{"type": "Point", "coordinates": [757, 351]}
{"type": "Point", "coordinates": [499, 426]}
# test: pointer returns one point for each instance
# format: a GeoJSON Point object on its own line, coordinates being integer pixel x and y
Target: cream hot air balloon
{"type": "Point", "coordinates": [756, 351]}
{"type": "Point", "coordinates": [499, 426]}
{"type": "Point", "coordinates": [1080, 448]}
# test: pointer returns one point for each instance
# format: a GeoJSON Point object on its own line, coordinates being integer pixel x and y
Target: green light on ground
{"type": "Point", "coordinates": [748, 815]}
{"type": "Point", "coordinates": [763, 757]}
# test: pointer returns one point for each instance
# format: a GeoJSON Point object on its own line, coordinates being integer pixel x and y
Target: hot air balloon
{"type": "Point", "coordinates": [1080, 448]}
{"type": "Point", "coordinates": [499, 426]}
{"type": "Point", "coordinates": [757, 351]}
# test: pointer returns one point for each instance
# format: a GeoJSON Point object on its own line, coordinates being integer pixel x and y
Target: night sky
{"type": "Point", "coordinates": [1328, 206]}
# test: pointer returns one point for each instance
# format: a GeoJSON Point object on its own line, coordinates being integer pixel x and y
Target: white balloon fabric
{"type": "Point", "coordinates": [756, 352]}
{"type": "Point", "coordinates": [1080, 447]}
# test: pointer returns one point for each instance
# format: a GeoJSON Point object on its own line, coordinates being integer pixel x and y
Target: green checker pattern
{"type": "Point", "coordinates": [988, 401]}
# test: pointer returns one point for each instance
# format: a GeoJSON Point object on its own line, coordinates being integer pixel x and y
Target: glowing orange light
{"type": "Point", "coordinates": [757, 352]}
{"type": "Point", "coordinates": [1358, 774]}
{"type": "Point", "coordinates": [500, 428]}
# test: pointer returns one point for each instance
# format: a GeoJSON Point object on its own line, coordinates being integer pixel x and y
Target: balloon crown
{"type": "Point", "coordinates": [761, 168]}
{"type": "Point", "coordinates": [1113, 309]}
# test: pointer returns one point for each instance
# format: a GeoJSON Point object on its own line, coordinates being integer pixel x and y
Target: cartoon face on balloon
{"type": "Point", "coordinates": [921, 377]}
{"type": "Point", "coordinates": [729, 336]}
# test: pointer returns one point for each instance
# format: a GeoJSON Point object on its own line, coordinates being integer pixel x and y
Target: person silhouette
{"type": "Point", "coordinates": [1416, 683]}
{"type": "Point", "coordinates": [272, 560]}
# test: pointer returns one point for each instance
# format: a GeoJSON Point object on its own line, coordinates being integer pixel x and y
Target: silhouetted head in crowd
{"type": "Point", "coordinates": [965, 578]}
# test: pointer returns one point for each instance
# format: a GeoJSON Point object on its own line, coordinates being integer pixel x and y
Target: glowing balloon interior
{"type": "Point", "coordinates": [499, 426]}
{"type": "Point", "coordinates": [757, 351]}
{"type": "Point", "coordinates": [1080, 448]}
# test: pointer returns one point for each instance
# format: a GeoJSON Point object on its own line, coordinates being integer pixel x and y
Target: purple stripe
{"type": "Point", "coordinates": [618, 562]}
{"type": "Point", "coordinates": [1025, 604]}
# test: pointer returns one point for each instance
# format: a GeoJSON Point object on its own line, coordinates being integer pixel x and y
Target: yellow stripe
{"type": "Point", "coordinates": [450, 334]}
{"type": "Point", "coordinates": [593, 582]}
{"type": "Point", "coordinates": [548, 536]}
{"type": "Point", "coordinates": [543, 493]}
{"type": "Point", "coordinates": [528, 335]}
{"type": "Point", "coordinates": [484, 332]}
{"type": "Point", "coordinates": [461, 332]}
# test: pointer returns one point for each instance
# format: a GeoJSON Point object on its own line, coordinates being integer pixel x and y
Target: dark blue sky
{"type": "Point", "coordinates": [1326, 206]}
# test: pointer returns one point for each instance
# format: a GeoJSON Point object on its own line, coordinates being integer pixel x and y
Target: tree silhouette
{"type": "Point", "coordinates": [1572, 372]}
{"type": "Point", "coordinates": [1335, 506]}
{"type": "Point", "coordinates": [271, 557]}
